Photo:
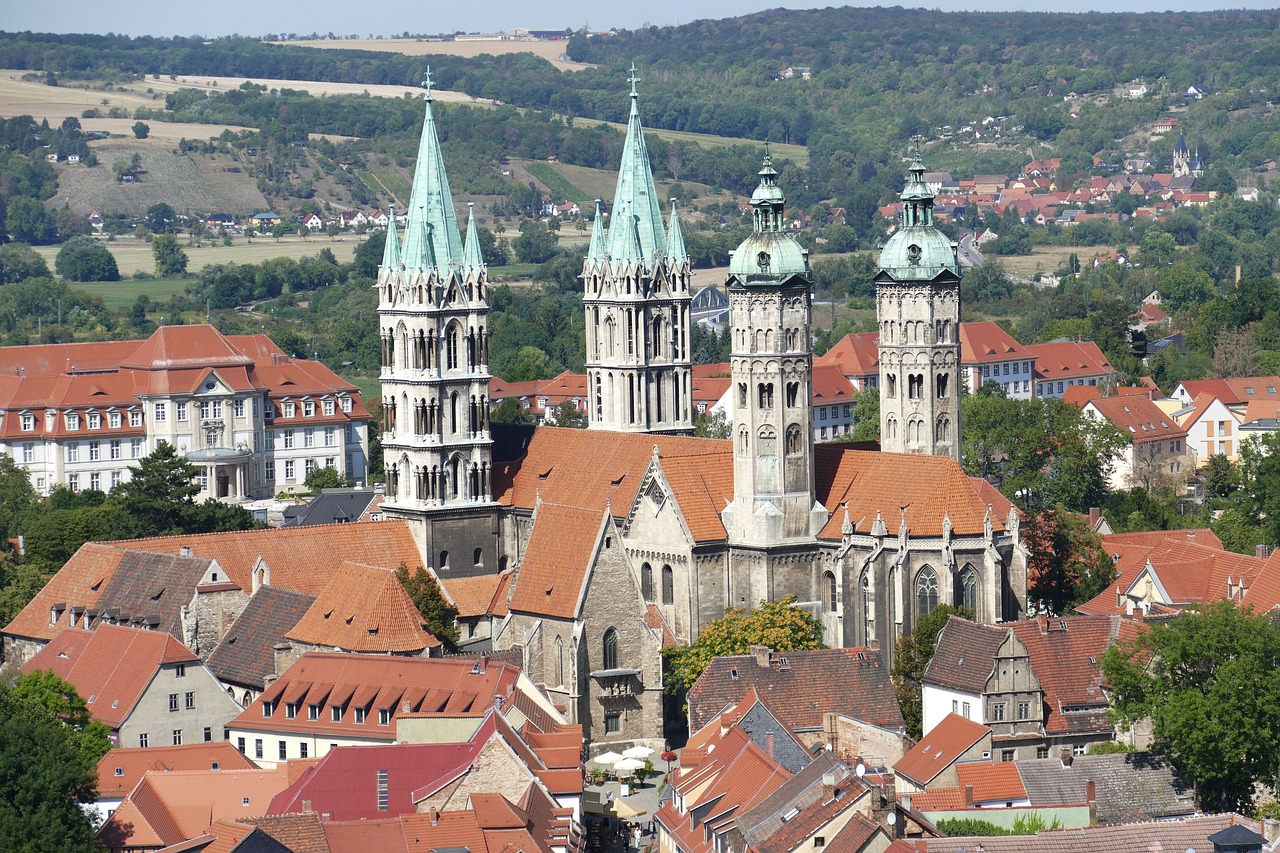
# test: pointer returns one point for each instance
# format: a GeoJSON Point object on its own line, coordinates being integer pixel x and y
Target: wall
{"type": "Point", "coordinates": [1071, 817]}
{"type": "Point", "coordinates": [937, 704]}
{"type": "Point", "coordinates": [213, 708]}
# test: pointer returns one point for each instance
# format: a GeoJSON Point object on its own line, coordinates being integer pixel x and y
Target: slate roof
{"type": "Point", "coordinates": [964, 655]}
{"type": "Point", "coordinates": [364, 609]}
{"type": "Point", "coordinates": [940, 748]}
{"type": "Point", "coordinates": [1189, 833]}
{"type": "Point", "coordinates": [111, 666]}
{"type": "Point", "coordinates": [121, 769]}
{"type": "Point", "coordinates": [301, 833]}
{"type": "Point", "coordinates": [333, 506]}
{"type": "Point", "coordinates": [852, 681]}
{"type": "Point", "coordinates": [1128, 787]}
{"type": "Point", "coordinates": [245, 655]}
{"type": "Point", "coordinates": [737, 714]}
{"type": "Point", "coordinates": [765, 827]}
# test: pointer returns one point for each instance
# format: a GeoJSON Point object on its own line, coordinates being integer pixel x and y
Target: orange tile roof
{"type": "Point", "coordinates": [1069, 360]}
{"type": "Point", "coordinates": [428, 832]}
{"type": "Point", "coordinates": [1078, 395]}
{"type": "Point", "coordinates": [553, 572]}
{"type": "Point", "coordinates": [364, 609]}
{"type": "Point", "coordinates": [121, 769]}
{"type": "Point", "coordinates": [1235, 391]}
{"type": "Point", "coordinates": [940, 748]}
{"type": "Point", "coordinates": [479, 595]}
{"type": "Point", "coordinates": [383, 836]}
{"type": "Point", "coordinates": [984, 342]}
{"type": "Point", "coordinates": [1138, 418]}
{"type": "Point", "coordinates": [166, 808]}
{"type": "Point", "coordinates": [830, 386]}
{"type": "Point", "coordinates": [856, 354]}
{"type": "Point", "coordinates": [78, 583]}
{"type": "Point", "coordinates": [992, 782]}
{"type": "Point", "coordinates": [939, 799]}
{"type": "Point", "coordinates": [111, 666]}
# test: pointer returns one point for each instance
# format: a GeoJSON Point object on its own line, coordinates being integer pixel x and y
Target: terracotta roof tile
{"type": "Point", "coordinates": [121, 769]}
{"type": "Point", "coordinates": [984, 342]}
{"type": "Point", "coordinates": [425, 832]}
{"type": "Point", "coordinates": [301, 833]}
{"type": "Point", "coordinates": [364, 609]}
{"type": "Point", "coordinates": [939, 748]}
{"type": "Point", "coordinates": [1191, 833]}
{"type": "Point", "coordinates": [856, 354]}
{"type": "Point", "coordinates": [110, 666]}
{"type": "Point", "coordinates": [1069, 360]}
{"type": "Point", "coordinates": [479, 595]}
{"type": "Point", "coordinates": [801, 806]}
{"type": "Point", "coordinates": [384, 836]}
{"type": "Point", "coordinates": [78, 583]}
{"type": "Point", "coordinates": [246, 653]}
{"type": "Point", "coordinates": [964, 655]}
{"type": "Point", "coordinates": [992, 782]}
{"type": "Point", "coordinates": [554, 568]}
{"type": "Point", "coordinates": [853, 682]}
{"type": "Point", "coordinates": [1138, 418]}
{"type": "Point", "coordinates": [830, 386]}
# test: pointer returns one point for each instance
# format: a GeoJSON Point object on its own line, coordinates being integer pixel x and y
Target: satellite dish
{"type": "Point", "coordinates": [892, 818]}
{"type": "Point", "coordinates": [861, 770]}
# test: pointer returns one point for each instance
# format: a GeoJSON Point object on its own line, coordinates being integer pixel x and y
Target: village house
{"type": "Point", "coordinates": [1061, 364]}
{"type": "Point", "coordinates": [122, 768]}
{"type": "Point", "coordinates": [1156, 454]}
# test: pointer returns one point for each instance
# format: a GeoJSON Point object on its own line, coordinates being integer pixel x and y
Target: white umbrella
{"type": "Point", "coordinates": [637, 752]}
{"type": "Point", "coordinates": [626, 764]}
{"type": "Point", "coordinates": [607, 758]}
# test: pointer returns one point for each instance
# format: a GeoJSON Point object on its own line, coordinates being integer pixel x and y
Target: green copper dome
{"type": "Point", "coordinates": [918, 250]}
{"type": "Point", "coordinates": [769, 255]}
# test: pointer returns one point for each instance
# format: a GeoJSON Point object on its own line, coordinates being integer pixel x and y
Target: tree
{"type": "Point", "coordinates": [47, 767]}
{"type": "Point", "coordinates": [1206, 681]}
{"type": "Point", "coordinates": [1220, 476]}
{"type": "Point", "coordinates": [17, 498]}
{"type": "Point", "coordinates": [85, 259]}
{"type": "Point", "coordinates": [141, 129]}
{"type": "Point", "coordinates": [566, 414]}
{"type": "Point", "coordinates": [535, 244]}
{"type": "Point", "coordinates": [780, 625]}
{"type": "Point", "coordinates": [714, 425]}
{"type": "Point", "coordinates": [160, 218]}
{"type": "Point", "coordinates": [19, 262]}
{"type": "Point", "coordinates": [170, 259]}
{"type": "Point", "coordinates": [1067, 565]}
{"type": "Point", "coordinates": [28, 221]}
{"type": "Point", "coordinates": [1182, 286]}
{"type": "Point", "coordinates": [911, 657]}
{"type": "Point", "coordinates": [439, 616]}
{"type": "Point", "coordinates": [324, 478]}
{"type": "Point", "coordinates": [160, 492]}
{"type": "Point", "coordinates": [509, 411]}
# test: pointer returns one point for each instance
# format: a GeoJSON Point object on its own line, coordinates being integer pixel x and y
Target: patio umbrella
{"type": "Point", "coordinates": [640, 752]}
{"type": "Point", "coordinates": [625, 810]}
{"type": "Point", "coordinates": [607, 758]}
{"type": "Point", "coordinates": [625, 764]}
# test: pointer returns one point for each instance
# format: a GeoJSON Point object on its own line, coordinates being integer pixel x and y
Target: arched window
{"type": "Point", "coordinates": [444, 560]}
{"type": "Point", "coordinates": [477, 557]}
{"type": "Point", "coordinates": [795, 440]}
{"type": "Point", "coordinates": [451, 347]}
{"type": "Point", "coordinates": [793, 394]}
{"type": "Point", "coordinates": [743, 441]}
{"type": "Point", "coordinates": [942, 429]}
{"type": "Point", "coordinates": [926, 591]}
{"type": "Point", "coordinates": [646, 582]}
{"type": "Point", "coordinates": [610, 660]}
{"type": "Point", "coordinates": [742, 395]}
{"type": "Point", "coordinates": [668, 585]}
{"type": "Point", "coordinates": [868, 610]}
{"type": "Point", "coordinates": [829, 599]}
{"type": "Point", "coordinates": [967, 590]}
{"type": "Point", "coordinates": [942, 386]}
{"type": "Point", "coordinates": [765, 393]}
{"type": "Point", "coordinates": [891, 385]}
{"type": "Point", "coordinates": [559, 661]}
{"type": "Point", "coordinates": [915, 385]}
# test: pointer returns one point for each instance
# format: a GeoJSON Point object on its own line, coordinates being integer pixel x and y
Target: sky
{"type": "Point", "coordinates": [255, 18]}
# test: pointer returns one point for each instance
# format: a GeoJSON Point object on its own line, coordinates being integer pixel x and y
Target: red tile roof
{"type": "Point", "coordinates": [1078, 395]}
{"type": "Point", "coordinates": [984, 342]}
{"type": "Point", "coordinates": [830, 386]}
{"type": "Point", "coordinates": [1234, 391]}
{"type": "Point", "coordinates": [121, 769]}
{"type": "Point", "coordinates": [553, 572]}
{"type": "Point", "coordinates": [111, 666]}
{"type": "Point", "coordinates": [992, 782]}
{"type": "Point", "coordinates": [1069, 360]}
{"type": "Point", "coordinates": [940, 748]}
{"type": "Point", "coordinates": [1138, 418]}
{"type": "Point", "coordinates": [479, 595]}
{"type": "Point", "coordinates": [364, 609]}
{"type": "Point", "coordinates": [856, 354]}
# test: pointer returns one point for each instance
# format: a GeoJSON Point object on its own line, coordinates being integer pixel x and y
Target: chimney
{"type": "Point", "coordinates": [435, 816]}
{"type": "Point", "coordinates": [1091, 798]}
{"type": "Point", "coordinates": [768, 744]}
{"type": "Point", "coordinates": [306, 807]}
{"type": "Point", "coordinates": [1042, 622]}
{"type": "Point", "coordinates": [761, 654]}
{"type": "Point", "coordinates": [1095, 515]}
{"type": "Point", "coordinates": [1260, 551]}
{"type": "Point", "coordinates": [282, 657]}
{"type": "Point", "coordinates": [185, 551]}
{"type": "Point", "coordinates": [968, 796]}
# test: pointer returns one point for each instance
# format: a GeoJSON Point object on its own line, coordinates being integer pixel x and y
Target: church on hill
{"type": "Point", "coordinates": [632, 535]}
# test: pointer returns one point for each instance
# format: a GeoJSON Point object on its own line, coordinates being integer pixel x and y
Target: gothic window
{"type": "Point", "coordinates": [891, 427]}
{"type": "Point", "coordinates": [631, 333]}
{"type": "Point", "coordinates": [795, 440]}
{"type": "Point", "coordinates": [829, 599]}
{"type": "Point", "coordinates": [765, 394]}
{"type": "Point", "coordinates": [926, 591]}
{"type": "Point", "coordinates": [891, 385]}
{"type": "Point", "coordinates": [793, 394]}
{"type": "Point", "coordinates": [610, 660]}
{"type": "Point", "coordinates": [668, 586]}
{"type": "Point", "coordinates": [868, 611]}
{"type": "Point", "coordinates": [444, 560]}
{"type": "Point", "coordinates": [477, 557]}
{"type": "Point", "coordinates": [967, 590]}
{"type": "Point", "coordinates": [942, 430]}
{"type": "Point", "coordinates": [941, 382]}
{"type": "Point", "coordinates": [646, 582]}
{"type": "Point", "coordinates": [451, 347]}
{"type": "Point", "coordinates": [915, 386]}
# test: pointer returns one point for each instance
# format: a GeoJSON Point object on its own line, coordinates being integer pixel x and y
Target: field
{"type": "Point", "coordinates": [121, 294]}
{"type": "Point", "coordinates": [600, 183]}
{"type": "Point", "coordinates": [560, 187]}
{"type": "Point", "coordinates": [796, 153]}
{"type": "Point", "coordinates": [1047, 259]}
{"type": "Point", "coordinates": [388, 181]}
{"type": "Point", "coordinates": [552, 51]}
{"type": "Point", "coordinates": [135, 256]}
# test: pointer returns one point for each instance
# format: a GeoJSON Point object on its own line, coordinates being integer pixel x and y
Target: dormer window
{"type": "Point", "coordinates": [73, 422]}
{"type": "Point", "coordinates": [290, 409]}
{"type": "Point", "coordinates": [28, 422]}
{"type": "Point", "coordinates": [95, 420]}
{"type": "Point", "coordinates": [113, 420]}
{"type": "Point", "coordinates": [346, 404]}
{"type": "Point", "coordinates": [309, 409]}
{"type": "Point", "coordinates": [135, 417]}
{"type": "Point", "coordinates": [329, 408]}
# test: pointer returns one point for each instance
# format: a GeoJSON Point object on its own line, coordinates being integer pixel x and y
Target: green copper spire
{"type": "Point", "coordinates": [770, 254]}
{"type": "Point", "coordinates": [918, 250]}
{"type": "Point", "coordinates": [596, 251]}
{"type": "Point", "coordinates": [431, 236]}
{"type": "Point", "coordinates": [471, 256]}
{"type": "Point", "coordinates": [675, 238]}
{"type": "Point", "coordinates": [636, 194]}
{"type": "Point", "coordinates": [391, 251]}
{"type": "Point", "coordinates": [624, 236]}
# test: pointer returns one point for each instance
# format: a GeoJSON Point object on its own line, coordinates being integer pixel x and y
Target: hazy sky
{"type": "Point", "coordinates": [223, 17]}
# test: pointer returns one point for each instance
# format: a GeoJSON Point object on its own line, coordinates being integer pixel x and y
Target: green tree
{"type": "Point", "coordinates": [170, 259]}
{"type": "Point", "coordinates": [324, 478]}
{"type": "Point", "coordinates": [865, 415]}
{"type": "Point", "coordinates": [1207, 682]}
{"type": "Point", "coordinates": [566, 414]}
{"type": "Point", "coordinates": [85, 259]}
{"type": "Point", "coordinates": [43, 693]}
{"type": "Point", "coordinates": [911, 657]}
{"type": "Point", "coordinates": [509, 411]}
{"type": "Point", "coordinates": [17, 499]}
{"type": "Point", "coordinates": [1067, 564]}
{"type": "Point", "coordinates": [19, 262]}
{"type": "Point", "coordinates": [141, 129]}
{"type": "Point", "coordinates": [780, 625]}
{"type": "Point", "coordinates": [28, 221]}
{"type": "Point", "coordinates": [160, 492]}
{"type": "Point", "coordinates": [161, 218]}
{"type": "Point", "coordinates": [437, 613]}
{"type": "Point", "coordinates": [715, 425]}
{"type": "Point", "coordinates": [1220, 476]}
{"type": "Point", "coordinates": [1182, 286]}
{"type": "Point", "coordinates": [47, 767]}
{"type": "Point", "coordinates": [535, 244]}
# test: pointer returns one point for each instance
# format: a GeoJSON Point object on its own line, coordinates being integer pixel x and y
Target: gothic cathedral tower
{"type": "Point", "coordinates": [433, 315]}
{"type": "Point", "coordinates": [637, 302]}
{"type": "Point", "coordinates": [918, 306]}
{"type": "Point", "coordinates": [771, 365]}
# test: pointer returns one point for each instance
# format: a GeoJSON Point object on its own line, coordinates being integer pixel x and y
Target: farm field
{"type": "Point", "coordinates": [122, 294]}
{"type": "Point", "coordinates": [548, 50]}
{"type": "Point", "coordinates": [135, 256]}
{"type": "Point", "coordinates": [1047, 259]}
{"type": "Point", "coordinates": [558, 184]}
{"type": "Point", "coordinates": [797, 153]}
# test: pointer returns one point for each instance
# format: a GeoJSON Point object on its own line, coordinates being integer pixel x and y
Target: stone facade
{"type": "Point", "coordinates": [183, 704]}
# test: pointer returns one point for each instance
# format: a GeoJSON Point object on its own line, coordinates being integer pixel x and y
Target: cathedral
{"type": "Point", "coordinates": [602, 546]}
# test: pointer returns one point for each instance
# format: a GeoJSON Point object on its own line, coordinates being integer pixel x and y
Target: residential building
{"type": "Point", "coordinates": [857, 355]}
{"type": "Point", "coordinates": [932, 762]}
{"type": "Point", "coordinates": [1211, 429]}
{"type": "Point", "coordinates": [145, 686]}
{"type": "Point", "coordinates": [1192, 833]}
{"type": "Point", "coordinates": [1156, 455]}
{"type": "Point", "coordinates": [122, 768]}
{"type": "Point", "coordinates": [251, 419]}
{"type": "Point", "coordinates": [990, 354]}
{"type": "Point", "coordinates": [1234, 392]}
{"type": "Point", "coordinates": [1062, 364]}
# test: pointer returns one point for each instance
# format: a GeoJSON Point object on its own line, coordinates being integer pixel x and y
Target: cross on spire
{"type": "Point", "coordinates": [633, 80]}
{"type": "Point", "coordinates": [768, 160]}
{"type": "Point", "coordinates": [915, 145]}
{"type": "Point", "coordinates": [426, 82]}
